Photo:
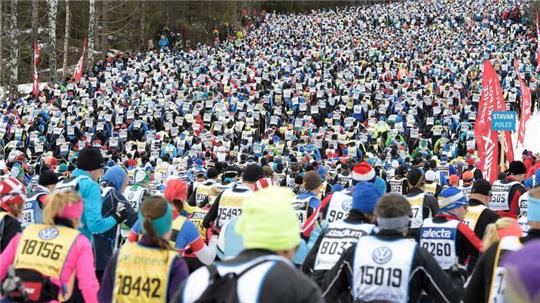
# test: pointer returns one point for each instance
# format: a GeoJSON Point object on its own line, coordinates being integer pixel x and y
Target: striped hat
{"type": "Point", "coordinates": [451, 198]}
{"type": "Point", "coordinates": [12, 191]}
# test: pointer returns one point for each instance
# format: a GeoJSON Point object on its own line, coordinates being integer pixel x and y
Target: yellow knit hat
{"type": "Point", "coordinates": [268, 220]}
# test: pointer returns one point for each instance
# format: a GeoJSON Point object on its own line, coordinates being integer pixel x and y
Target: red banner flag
{"type": "Point", "coordinates": [508, 148]}
{"type": "Point", "coordinates": [486, 139]}
{"type": "Point", "coordinates": [77, 74]}
{"type": "Point", "coordinates": [35, 81]}
{"type": "Point", "coordinates": [537, 41]}
{"type": "Point", "coordinates": [525, 105]}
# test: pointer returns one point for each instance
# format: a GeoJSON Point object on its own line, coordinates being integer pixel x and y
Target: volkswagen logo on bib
{"type": "Point", "coordinates": [382, 255]}
{"type": "Point", "coordinates": [346, 205]}
{"type": "Point", "coordinates": [48, 233]}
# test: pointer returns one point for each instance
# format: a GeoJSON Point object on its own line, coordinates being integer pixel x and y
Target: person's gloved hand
{"type": "Point", "coordinates": [12, 287]}
{"type": "Point", "coordinates": [120, 214]}
{"type": "Point", "coordinates": [458, 273]}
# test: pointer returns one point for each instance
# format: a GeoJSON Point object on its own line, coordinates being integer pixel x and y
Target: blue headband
{"type": "Point", "coordinates": [533, 209]}
{"type": "Point", "coordinates": [162, 224]}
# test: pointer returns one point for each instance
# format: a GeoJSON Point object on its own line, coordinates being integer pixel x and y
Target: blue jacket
{"type": "Point", "coordinates": [92, 221]}
{"type": "Point", "coordinates": [104, 242]}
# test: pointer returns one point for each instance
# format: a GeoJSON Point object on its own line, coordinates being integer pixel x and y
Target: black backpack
{"type": "Point", "coordinates": [223, 289]}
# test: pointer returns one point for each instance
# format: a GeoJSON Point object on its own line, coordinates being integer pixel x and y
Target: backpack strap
{"type": "Point", "coordinates": [214, 274]}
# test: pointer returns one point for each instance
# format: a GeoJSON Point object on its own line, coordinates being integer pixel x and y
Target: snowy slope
{"type": "Point", "coordinates": [532, 136]}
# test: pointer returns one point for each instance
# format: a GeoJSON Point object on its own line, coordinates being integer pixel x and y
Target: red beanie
{"type": "Point", "coordinates": [453, 179]}
{"type": "Point", "coordinates": [363, 172]}
{"type": "Point", "coordinates": [53, 162]}
{"type": "Point", "coordinates": [176, 190]}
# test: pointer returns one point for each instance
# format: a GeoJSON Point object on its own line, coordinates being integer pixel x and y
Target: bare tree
{"type": "Point", "coordinates": [66, 39]}
{"type": "Point", "coordinates": [35, 22]}
{"type": "Point", "coordinates": [51, 14]}
{"type": "Point", "coordinates": [91, 32]}
{"type": "Point", "coordinates": [14, 53]}
{"type": "Point", "coordinates": [143, 24]}
{"type": "Point", "coordinates": [1, 48]}
{"type": "Point", "coordinates": [104, 25]}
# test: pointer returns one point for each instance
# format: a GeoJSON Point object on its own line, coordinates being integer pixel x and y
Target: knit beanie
{"type": "Point", "coordinates": [252, 173]}
{"type": "Point", "coordinates": [451, 198]}
{"type": "Point", "coordinates": [211, 173]}
{"type": "Point", "coordinates": [522, 267]}
{"type": "Point", "coordinates": [268, 220]}
{"type": "Point", "coordinates": [12, 191]}
{"type": "Point", "coordinates": [62, 168]}
{"type": "Point", "coordinates": [481, 186]}
{"type": "Point", "coordinates": [453, 180]}
{"type": "Point", "coordinates": [176, 190]}
{"type": "Point", "coordinates": [363, 172]}
{"type": "Point", "coordinates": [517, 168]}
{"type": "Point", "coordinates": [380, 184]}
{"type": "Point", "coordinates": [468, 176]}
{"type": "Point", "coordinates": [430, 176]}
{"type": "Point", "coordinates": [90, 158]}
{"type": "Point", "coordinates": [312, 180]}
{"type": "Point", "coordinates": [415, 178]}
{"type": "Point", "coordinates": [322, 171]}
{"type": "Point", "coordinates": [47, 177]}
{"type": "Point", "coordinates": [365, 196]}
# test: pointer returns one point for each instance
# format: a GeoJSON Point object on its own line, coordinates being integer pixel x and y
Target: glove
{"type": "Point", "coordinates": [458, 273]}
{"type": "Point", "coordinates": [120, 214]}
{"type": "Point", "coordinates": [12, 287]}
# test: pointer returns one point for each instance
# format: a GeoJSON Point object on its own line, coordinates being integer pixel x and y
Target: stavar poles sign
{"type": "Point", "coordinates": [35, 81]}
{"type": "Point", "coordinates": [525, 105]}
{"type": "Point", "coordinates": [486, 139]}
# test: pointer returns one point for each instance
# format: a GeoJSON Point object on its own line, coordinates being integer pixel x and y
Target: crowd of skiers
{"type": "Point", "coordinates": [326, 156]}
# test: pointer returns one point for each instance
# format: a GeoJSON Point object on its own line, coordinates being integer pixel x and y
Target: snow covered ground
{"type": "Point", "coordinates": [532, 136]}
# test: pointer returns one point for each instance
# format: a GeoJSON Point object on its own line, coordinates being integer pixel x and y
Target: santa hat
{"type": "Point", "coordinates": [363, 172]}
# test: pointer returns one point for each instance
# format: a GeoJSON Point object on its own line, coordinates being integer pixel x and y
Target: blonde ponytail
{"type": "Point", "coordinates": [55, 204]}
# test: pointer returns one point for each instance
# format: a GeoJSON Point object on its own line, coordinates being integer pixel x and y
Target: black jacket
{"type": "Point", "coordinates": [487, 217]}
{"type": "Point", "coordinates": [307, 267]}
{"type": "Point", "coordinates": [426, 275]}
{"type": "Point", "coordinates": [104, 242]}
{"type": "Point", "coordinates": [430, 207]}
{"type": "Point", "coordinates": [9, 227]}
{"type": "Point", "coordinates": [478, 286]}
{"type": "Point", "coordinates": [282, 283]}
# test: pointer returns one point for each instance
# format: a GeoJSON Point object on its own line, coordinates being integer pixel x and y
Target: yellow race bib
{"type": "Point", "coordinates": [197, 218]}
{"type": "Point", "coordinates": [44, 248]}
{"type": "Point", "coordinates": [473, 214]}
{"type": "Point", "coordinates": [142, 274]}
{"type": "Point", "coordinates": [176, 226]}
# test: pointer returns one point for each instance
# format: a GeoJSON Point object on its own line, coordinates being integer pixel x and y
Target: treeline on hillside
{"type": "Point", "coordinates": [60, 26]}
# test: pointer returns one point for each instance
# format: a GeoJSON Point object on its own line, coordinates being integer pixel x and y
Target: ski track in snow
{"type": "Point", "coordinates": [532, 136]}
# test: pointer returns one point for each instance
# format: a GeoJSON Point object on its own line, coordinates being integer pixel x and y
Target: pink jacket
{"type": "Point", "coordinates": [79, 260]}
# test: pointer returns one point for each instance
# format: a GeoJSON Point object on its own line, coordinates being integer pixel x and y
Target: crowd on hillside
{"type": "Point", "coordinates": [305, 153]}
